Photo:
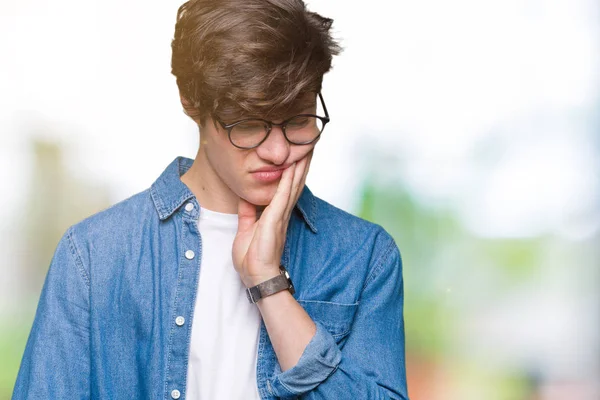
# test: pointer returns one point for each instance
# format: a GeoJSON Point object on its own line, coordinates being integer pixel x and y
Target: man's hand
{"type": "Point", "coordinates": [259, 242]}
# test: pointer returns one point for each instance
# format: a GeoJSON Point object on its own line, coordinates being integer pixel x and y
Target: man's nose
{"type": "Point", "coordinates": [275, 148]}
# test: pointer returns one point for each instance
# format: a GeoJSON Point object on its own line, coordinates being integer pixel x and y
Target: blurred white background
{"type": "Point", "coordinates": [485, 113]}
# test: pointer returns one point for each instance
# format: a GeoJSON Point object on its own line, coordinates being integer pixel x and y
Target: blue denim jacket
{"type": "Point", "coordinates": [105, 324]}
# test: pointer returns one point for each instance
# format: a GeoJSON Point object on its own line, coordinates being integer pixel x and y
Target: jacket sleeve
{"type": "Point", "coordinates": [371, 364]}
{"type": "Point", "coordinates": [56, 362]}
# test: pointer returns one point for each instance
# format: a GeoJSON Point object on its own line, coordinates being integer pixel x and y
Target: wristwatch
{"type": "Point", "coordinates": [271, 286]}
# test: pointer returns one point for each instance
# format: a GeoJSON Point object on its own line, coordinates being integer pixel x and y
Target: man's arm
{"type": "Point", "coordinates": [289, 327]}
{"type": "Point", "coordinates": [372, 362]}
{"type": "Point", "coordinates": [56, 363]}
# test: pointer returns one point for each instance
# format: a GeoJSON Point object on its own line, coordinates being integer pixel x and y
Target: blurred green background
{"type": "Point", "coordinates": [469, 130]}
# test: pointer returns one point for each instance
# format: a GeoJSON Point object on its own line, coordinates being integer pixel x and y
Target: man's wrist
{"type": "Point", "coordinates": [283, 298]}
{"type": "Point", "coordinates": [270, 286]}
{"type": "Point", "coordinates": [250, 281]}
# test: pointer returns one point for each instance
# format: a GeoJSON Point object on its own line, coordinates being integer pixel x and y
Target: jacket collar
{"type": "Point", "coordinates": [169, 193]}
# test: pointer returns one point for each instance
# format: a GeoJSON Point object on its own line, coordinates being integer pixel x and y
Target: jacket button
{"type": "Point", "coordinates": [189, 254]}
{"type": "Point", "coordinates": [175, 394]}
{"type": "Point", "coordinates": [189, 207]}
{"type": "Point", "coordinates": [180, 321]}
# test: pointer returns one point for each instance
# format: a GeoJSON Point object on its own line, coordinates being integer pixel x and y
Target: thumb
{"type": "Point", "coordinates": [246, 215]}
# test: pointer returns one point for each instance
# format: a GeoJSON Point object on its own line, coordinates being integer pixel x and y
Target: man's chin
{"type": "Point", "coordinates": [261, 198]}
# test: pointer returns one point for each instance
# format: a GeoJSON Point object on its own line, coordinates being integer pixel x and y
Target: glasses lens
{"type": "Point", "coordinates": [248, 133]}
{"type": "Point", "coordinates": [301, 129]}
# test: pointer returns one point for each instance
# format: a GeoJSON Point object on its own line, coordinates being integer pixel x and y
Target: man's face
{"type": "Point", "coordinates": [238, 168]}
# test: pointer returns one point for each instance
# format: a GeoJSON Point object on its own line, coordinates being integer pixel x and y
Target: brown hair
{"type": "Point", "coordinates": [249, 57]}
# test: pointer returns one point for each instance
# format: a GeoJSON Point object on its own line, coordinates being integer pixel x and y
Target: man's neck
{"type": "Point", "coordinates": [212, 193]}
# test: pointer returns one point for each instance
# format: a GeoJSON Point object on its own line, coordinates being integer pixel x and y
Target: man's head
{"type": "Point", "coordinates": [237, 59]}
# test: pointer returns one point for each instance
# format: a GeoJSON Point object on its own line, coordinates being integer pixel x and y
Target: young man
{"type": "Point", "coordinates": [228, 278]}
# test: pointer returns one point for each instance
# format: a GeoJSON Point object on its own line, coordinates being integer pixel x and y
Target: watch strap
{"type": "Point", "coordinates": [270, 287]}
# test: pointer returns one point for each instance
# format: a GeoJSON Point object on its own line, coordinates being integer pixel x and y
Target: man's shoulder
{"type": "Point", "coordinates": [119, 218]}
{"type": "Point", "coordinates": [338, 223]}
{"type": "Point", "coordinates": [345, 254]}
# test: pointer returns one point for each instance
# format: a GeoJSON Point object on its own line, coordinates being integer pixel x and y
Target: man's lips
{"type": "Point", "coordinates": [269, 174]}
{"type": "Point", "coordinates": [271, 169]}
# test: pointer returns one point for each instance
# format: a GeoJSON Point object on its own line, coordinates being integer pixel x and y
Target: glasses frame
{"type": "Point", "coordinates": [270, 124]}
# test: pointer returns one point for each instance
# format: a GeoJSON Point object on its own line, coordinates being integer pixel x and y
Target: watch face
{"type": "Point", "coordinates": [287, 277]}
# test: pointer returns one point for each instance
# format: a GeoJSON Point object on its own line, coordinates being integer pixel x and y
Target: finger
{"type": "Point", "coordinates": [299, 180]}
{"type": "Point", "coordinates": [300, 173]}
{"type": "Point", "coordinates": [279, 202]}
{"type": "Point", "coordinates": [246, 215]}
{"type": "Point", "coordinates": [300, 169]}
{"type": "Point", "coordinates": [306, 167]}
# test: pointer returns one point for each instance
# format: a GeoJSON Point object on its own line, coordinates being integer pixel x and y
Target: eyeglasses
{"type": "Point", "coordinates": [300, 129]}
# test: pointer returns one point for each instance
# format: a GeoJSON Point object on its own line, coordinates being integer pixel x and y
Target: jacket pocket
{"type": "Point", "coordinates": [337, 318]}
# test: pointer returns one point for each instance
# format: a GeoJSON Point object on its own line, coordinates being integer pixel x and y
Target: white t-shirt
{"type": "Point", "coordinates": [225, 326]}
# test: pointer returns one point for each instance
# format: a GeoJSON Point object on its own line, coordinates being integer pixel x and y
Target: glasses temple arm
{"type": "Point", "coordinates": [324, 106]}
